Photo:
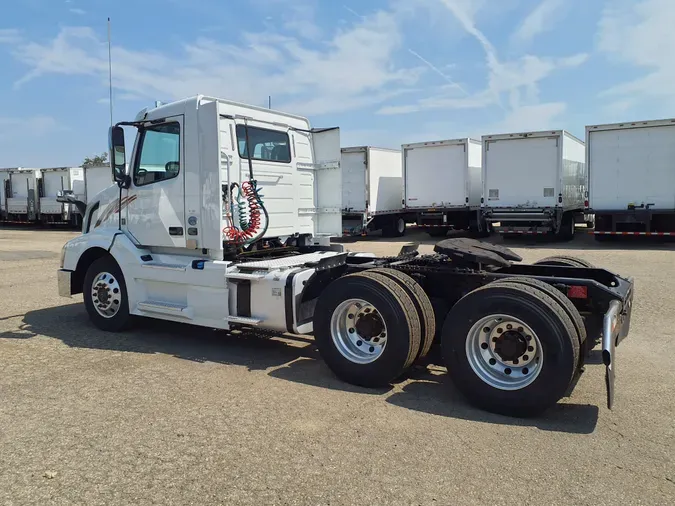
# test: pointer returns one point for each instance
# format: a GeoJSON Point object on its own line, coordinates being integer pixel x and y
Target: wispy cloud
{"type": "Point", "coordinates": [120, 97]}
{"type": "Point", "coordinates": [352, 68]}
{"type": "Point", "coordinates": [37, 126]}
{"type": "Point", "coordinates": [512, 85]}
{"type": "Point", "coordinates": [79, 12]}
{"type": "Point", "coordinates": [543, 17]}
{"type": "Point", "coordinates": [640, 34]}
{"type": "Point", "coordinates": [9, 36]}
{"type": "Point", "coordinates": [530, 118]}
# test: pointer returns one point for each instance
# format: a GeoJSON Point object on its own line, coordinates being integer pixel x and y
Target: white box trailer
{"type": "Point", "coordinates": [632, 177]}
{"type": "Point", "coordinates": [20, 194]}
{"type": "Point", "coordinates": [534, 182]}
{"type": "Point", "coordinates": [4, 177]}
{"type": "Point", "coordinates": [52, 182]}
{"type": "Point", "coordinates": [442, 184]}
{"type": "Point", "coordinates": [90, 182]}
{"type": "Point", "coordinates": [372, 191]}
{"type": "Point", "coordinates": [96, 179]}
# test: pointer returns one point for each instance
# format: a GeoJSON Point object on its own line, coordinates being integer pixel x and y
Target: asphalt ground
{"type": "Point", "coordinates": [171, 414]}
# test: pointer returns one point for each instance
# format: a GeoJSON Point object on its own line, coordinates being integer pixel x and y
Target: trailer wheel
{"type": "Point", "coordinates": [105, 295]}
{"type": "Point", "coordinates": [394, 227]}
{"type": "Point", "coordinates": [564, 261]}
{"type": "Point", "coordinates": [510, 349]}
{"type": "Point", "coordinates": [425, 310]}
{"type": "Point", "coordinates": [367, 329]}
{"type": "Point", "coordinates": [567, 227]}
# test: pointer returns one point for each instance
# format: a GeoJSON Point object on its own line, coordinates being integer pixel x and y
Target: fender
{"type": "Point", "coordinates": [75, 248]}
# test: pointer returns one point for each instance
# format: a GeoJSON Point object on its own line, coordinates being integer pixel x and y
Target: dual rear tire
{"type": "Point", "coordinates": [371, 326]}
{"type": "Point", "coordinates": [511, 347]}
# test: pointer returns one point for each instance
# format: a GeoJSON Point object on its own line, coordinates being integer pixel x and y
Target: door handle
{"type": "Point", "coordinates": [176, 231]}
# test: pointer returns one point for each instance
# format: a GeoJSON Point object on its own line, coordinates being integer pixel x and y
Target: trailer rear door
{"type": "Point", "coordinates": [436, 176]}
{"type": "Point", "coordinates": [632, 166]}
{"type": "Point", "coordinates": [354, 180]}
{"type": "Point", "coordinates": [522, 172]}
{"type": "Point", "coordinates": [53, 181]}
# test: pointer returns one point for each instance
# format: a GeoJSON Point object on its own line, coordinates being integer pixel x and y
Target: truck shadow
{"type": "Point", "coordinates": [434, 393]}
{"type": "Point", "coordinates": [287, 357]}
{"type": "Point", "coordinates": [70, 324]}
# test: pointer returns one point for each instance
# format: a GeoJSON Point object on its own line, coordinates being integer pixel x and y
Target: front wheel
{"type": "Point", "coordinates": [105, 295]}
{"type": "Point", "coordinates": [510, 349]}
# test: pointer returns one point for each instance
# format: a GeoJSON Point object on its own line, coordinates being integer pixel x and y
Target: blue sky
{"type": "Point", "coordinates": [386, 71]}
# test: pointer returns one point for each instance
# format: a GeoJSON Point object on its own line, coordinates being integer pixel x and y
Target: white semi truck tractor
{"type": "Point", "coordinates": [223, 220]}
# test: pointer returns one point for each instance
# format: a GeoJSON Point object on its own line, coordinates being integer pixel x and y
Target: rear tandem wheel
{"type": "Point", "coordinates": [367, 329]}
{"type": "Point", "coordinates": [510, 348]}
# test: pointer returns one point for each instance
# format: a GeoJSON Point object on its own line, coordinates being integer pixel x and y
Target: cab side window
{"type": "Point", "coordinates": [159, 157]}
{"type": "Point", "coordinates": [267, 145]}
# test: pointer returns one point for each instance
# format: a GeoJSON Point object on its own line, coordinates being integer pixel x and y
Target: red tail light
{"type": "Point", "coordinates": [577, 292]}
{"type": "Point", "coordinates": [585, 203]}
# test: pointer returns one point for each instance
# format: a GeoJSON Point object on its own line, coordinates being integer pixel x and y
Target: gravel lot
{"type": "Point", "coordinates": [170, 414]}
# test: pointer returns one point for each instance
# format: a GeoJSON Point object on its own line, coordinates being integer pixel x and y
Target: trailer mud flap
{"type": "Point", "coordinates": [615, 318]}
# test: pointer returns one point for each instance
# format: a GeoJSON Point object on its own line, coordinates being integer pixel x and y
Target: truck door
{"type": "Point", "coordinates": [155, 201]}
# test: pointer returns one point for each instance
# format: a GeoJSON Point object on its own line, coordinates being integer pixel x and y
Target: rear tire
{"type": "Point", "coordinates": [425, 310]}
{"type": "Point", "coordinates": [105, 295]}
{"type": "Point", "coordinates": [482, 364]}
{"type": "Point", "coordinates": [352, 354]}
{"type": "Point", "coordinates": [564, 261]}
{"type": "Point", "coordinates": [556, 294]}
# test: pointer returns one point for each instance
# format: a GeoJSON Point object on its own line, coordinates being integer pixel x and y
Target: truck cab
{"type": "Point", "coordinates": [163, 234]}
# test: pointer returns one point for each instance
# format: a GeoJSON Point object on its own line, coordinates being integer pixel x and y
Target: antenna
{"type": "Point", "coordinates": [110, 74]}
{"type": "Point", "coordinates": [269, 102]}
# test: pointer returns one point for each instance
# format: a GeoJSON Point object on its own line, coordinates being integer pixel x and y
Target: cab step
{"type": "Point", "coordinates": [166, 308]}
{"type": "Point", "coordinates": [243, 320]}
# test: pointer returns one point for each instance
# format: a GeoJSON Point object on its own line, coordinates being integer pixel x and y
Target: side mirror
{"type": "Point", "coordinates": [117, 154]}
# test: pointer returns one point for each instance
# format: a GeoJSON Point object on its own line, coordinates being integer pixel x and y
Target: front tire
{"type": "Point", "coordinates": [367, 329]}
{"type": "Point", "coordinates": [105, 295]}
{"type": "Point", "coordinates": [510, 349]}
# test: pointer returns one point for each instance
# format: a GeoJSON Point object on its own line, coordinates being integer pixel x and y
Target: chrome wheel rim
{"type": "Point", "coordinates": [106, 294]}
{"type": "Point", "coordinates": [504, 352]}
{"type": "Point", "coordinates": [400, 225]}
{"type": "Point", "coordinates": [358, 331]}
